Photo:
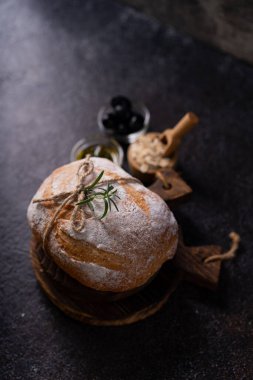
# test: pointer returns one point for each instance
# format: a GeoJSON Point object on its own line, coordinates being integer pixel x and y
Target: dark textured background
{"type": "Point", "coordinates": [59, 62]}
{"type": "Point", "coordinates": [227, 24]}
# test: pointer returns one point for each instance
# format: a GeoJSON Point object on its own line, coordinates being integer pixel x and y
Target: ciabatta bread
{"type": "Point", "coordinates": [118, 253]}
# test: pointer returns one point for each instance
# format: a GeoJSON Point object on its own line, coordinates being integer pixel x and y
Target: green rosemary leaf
{"type": "Point", "coordinates": [106, 195]}
{"type": "Point", "coordinates": [86, 200]}
{"type": "Point", "coordinates": [105, 209]}
{"type": "Point", "coordinates": [94, 183]}
{"type": "Point", "coordinates": [114, 204]}
{"type": "Point", "coordinates": [91, 207]}
{"type": "Point", "coordinates": [109, 203]}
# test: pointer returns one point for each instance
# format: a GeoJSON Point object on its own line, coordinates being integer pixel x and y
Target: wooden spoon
{"type": "Point", "coordinates": [171, 138]}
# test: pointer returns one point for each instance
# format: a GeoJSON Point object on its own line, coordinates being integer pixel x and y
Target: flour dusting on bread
{"type": "Point", "coordinates": [117, 253]}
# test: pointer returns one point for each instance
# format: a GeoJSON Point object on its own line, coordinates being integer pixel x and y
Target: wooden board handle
{"type": "Point", "coordinates": [170, 186]}
{"type": "Point", "coordinates": [192, 261]}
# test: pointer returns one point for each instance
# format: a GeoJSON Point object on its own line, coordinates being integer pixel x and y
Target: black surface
{"type": "Point", "coordinates": [59, 62]}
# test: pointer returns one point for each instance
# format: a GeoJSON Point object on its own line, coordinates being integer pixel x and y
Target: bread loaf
{"type": "Point", "coordinates": [118, 253]}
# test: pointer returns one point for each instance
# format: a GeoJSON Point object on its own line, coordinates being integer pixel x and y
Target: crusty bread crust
{"type": "Point", "coordinates": [118, 253]}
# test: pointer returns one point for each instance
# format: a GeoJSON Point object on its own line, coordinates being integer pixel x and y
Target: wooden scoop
{"type": "Point", "coordinates": [172, 139]}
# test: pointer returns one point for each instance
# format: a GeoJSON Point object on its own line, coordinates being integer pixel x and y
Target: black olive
{"type": "Point", "coordinates": [123, 117]}
{"type": "Point", "coordinates": [110, 121]}
{"type": "Point", "coordinates": [121, 103]}
{"type": "Point", "coordinates": [122, 129]}
{"type": "Point", "coordinates": [136, 122]}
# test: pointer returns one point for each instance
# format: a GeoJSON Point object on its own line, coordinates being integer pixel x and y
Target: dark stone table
{"type": "Point", "coordinates": [59, 62]}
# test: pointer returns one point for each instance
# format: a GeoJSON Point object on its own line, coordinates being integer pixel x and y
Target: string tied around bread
{"type": "Point", "coordinates": [77, 198]}
{"type": "Point", "coordinates": [230, 254]}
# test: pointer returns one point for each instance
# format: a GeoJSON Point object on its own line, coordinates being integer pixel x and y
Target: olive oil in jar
{"type": "Point", "coordinates": [98, 146]}
{"type": "Point", "coordinates": [98, 150]}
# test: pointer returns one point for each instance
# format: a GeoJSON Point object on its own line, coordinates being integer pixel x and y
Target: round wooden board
{"type": "Point", "coordinates": [133, 308]}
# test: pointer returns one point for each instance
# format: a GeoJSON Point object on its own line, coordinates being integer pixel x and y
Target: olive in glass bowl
{"type": "Point", "coordinates": [124, 120]}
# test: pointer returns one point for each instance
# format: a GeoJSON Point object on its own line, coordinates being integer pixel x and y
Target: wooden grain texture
{"type": "Point", "coordinates": [93, 307]}
{"type": "Point", "coordinates": [71, 297]}
{"type": "Point", "coordinates": [191, 261]}
{"type": "Point", "coordinates": [170, 186]}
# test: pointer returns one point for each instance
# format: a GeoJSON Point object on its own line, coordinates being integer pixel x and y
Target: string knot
{"type": "Point", "coordinates": [79, 213]}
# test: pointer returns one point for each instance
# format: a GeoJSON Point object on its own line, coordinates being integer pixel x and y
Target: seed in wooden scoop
{"type": "Point", "coordinates": [144, 168]}
{"type": "Point", "coordinates": [165, 162]}
{"type": "Point", "coordinates": [148, 152]}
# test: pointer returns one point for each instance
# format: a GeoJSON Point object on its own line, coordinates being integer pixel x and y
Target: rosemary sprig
{"type": "Point", "coordinates": [93, 192]}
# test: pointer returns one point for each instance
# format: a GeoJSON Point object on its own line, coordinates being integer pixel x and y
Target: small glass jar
{"type": "Point", "coordinates": [125, 138]}
{"type": "Point", "coordinates": [98, 146]}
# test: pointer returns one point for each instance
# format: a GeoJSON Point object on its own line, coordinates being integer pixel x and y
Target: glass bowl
{"type": "Point", "coordinates": [92, 145]}
{"type": "Point", "coordinates": [125, 138]}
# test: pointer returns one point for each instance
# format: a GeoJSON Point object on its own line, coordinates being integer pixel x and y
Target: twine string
{"type": "Point", "coordinates": [230, 254]}
{"type": "Point", "coordinates": [79, 214]}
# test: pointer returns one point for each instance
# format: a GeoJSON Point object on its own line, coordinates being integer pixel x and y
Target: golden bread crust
{"type": "Point", "coordinates": [121, 251]}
